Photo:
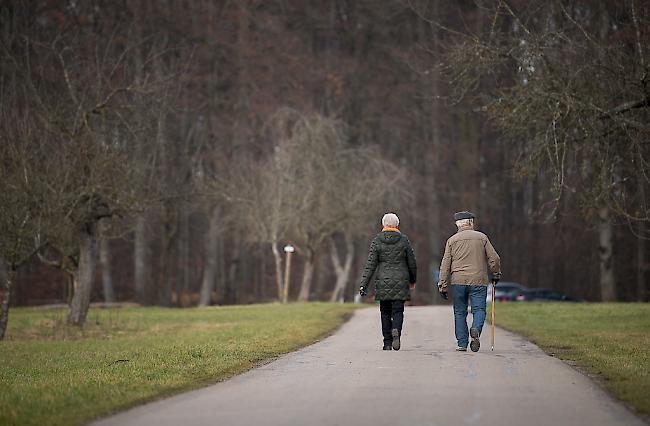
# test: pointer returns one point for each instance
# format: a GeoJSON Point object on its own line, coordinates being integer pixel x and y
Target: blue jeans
{"type": "Point", "coordinates": [475, 295]}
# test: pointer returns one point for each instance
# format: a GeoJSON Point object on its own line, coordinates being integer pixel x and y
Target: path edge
{"type": "Point", "coordinates": [196, 386]}
{"type": "Point", "coordinates": [597, 380]}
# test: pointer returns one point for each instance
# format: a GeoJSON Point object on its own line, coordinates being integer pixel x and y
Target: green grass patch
{"type": "Point", "coordinates": [609, 340]}
{"type": "Point", "coordinates": [54, 374]}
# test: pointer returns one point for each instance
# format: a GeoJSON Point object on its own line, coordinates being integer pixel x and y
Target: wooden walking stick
{"type": "Point", "coordinates": [493, 302]}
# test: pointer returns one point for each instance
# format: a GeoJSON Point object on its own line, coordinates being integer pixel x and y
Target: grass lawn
{"type": "Point", "coordinates": [609, 340]}
{"type": "Point", "coordinates": [54, 374]}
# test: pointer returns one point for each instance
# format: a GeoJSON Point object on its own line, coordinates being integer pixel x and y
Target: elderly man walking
{"type": "Point", "coordinates": [392, 256]}
{"type": "Point", "coordinates": [468, 256]}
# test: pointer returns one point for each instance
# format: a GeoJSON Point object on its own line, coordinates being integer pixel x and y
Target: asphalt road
{"type": "Point", "coordinates": [347, 380]}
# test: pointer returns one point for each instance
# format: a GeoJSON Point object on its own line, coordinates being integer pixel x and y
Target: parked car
{"type": "Point", "coordinates": [543, 295]}
{"type": "Point", "coordinates": [506, 291]}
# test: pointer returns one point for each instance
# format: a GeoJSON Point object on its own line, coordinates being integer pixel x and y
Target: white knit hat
{"type": "Point", "coordinates": [390, 220]}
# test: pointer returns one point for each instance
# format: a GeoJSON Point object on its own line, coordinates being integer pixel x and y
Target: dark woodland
{"type": "Point", "coordinates": [164, 152]}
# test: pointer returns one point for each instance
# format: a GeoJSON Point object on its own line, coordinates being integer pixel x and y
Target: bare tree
{"type": "Point", "coordinates": [211, 254]}
{"type": "Point", "coordinates": [582, 130]}
{"type": "Point", "coordinates": [340, 188]}
{"type": "Point", "coordinates": [367, 186]}
{"type": "Point", "coordinates": [312, 187]}
{"type": "Point", "coordinates": [19, 220]}
{"type": "Point", "coordinates": [80, 94]}
{"type": "Point", "coordinates": [552, 92]}
{"type": "Point", "coordinates": [260, 196]}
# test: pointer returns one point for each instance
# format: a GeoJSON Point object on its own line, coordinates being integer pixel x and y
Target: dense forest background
{"type": "Point", "coordinates": [165, 151]}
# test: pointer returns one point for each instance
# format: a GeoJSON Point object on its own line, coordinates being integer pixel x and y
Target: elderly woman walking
{"type": "Point", "coordinates": [392, 256]}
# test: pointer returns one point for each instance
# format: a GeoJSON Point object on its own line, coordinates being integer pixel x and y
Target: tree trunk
{"type": "Point", "coordinates": [107, 276]}
{"type": "Point", "coordinates": [169, 228]}
{"type": "Point", "coordinates": [211, 249]}
{"type": "Point", "coordinates": [606, 244]}
{"type": "Point", "coordinates": [432, 134]}
{"type": "Point", "coordinates": [242, 102]}
{"type": "Point", "coordinates": [230, 291]}
{"type": "Point", "coordinates": [221, 268]}
{"type": "Point", "coordinates": [605, 231]}
{"type": "Point", "coordinates": [342, 271]}
{"type": "Point", "coordinates": [277, 257]}
{"type": "Point", "coordinates": [263, 275]}
{"type": "Point", "coordinates": [182, 285]}
{"type": "Point", "coordinates": [258, 264]}
{"type": "Point", "coordinates": [641, 251]}
{"type": "Point", "coordinates": [640, 271]}
{"type": "Point", "coordinates": [307, 277]}
{"type": "Point", "coordinates": [84, 276]}
{"type": "Point", "coordinates": [141, 259]}
{"type": "Point", "coordinates": [6, 280]}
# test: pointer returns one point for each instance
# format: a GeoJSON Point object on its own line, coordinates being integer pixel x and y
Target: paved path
{"type": "Point", "coordinates": [347, 380]}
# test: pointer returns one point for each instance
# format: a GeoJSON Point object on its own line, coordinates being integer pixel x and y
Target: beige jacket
{"type": "Point", "coordinates": [468, 254]}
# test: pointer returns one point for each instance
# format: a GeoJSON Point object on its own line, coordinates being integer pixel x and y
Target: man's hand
{"type": "Point", "coordinates": [363, 291]}
{"type": "Point", "coordinates": [443, 293]}
{"type": "Point", "coordinates": [412, 286]}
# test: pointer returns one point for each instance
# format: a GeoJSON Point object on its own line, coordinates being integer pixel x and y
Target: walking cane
{"type": "Point", "coordinates": [493, 302]}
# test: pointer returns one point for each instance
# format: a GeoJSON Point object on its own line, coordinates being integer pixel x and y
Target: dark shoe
{"type": "Point", "coordinates": [476, 343]}
{"type": "Point", "coordinates": [388, 348]}
{"type": "Point", "coordinates": [396, 342]}
{"type": "Point", "coordinates": [461, 349]}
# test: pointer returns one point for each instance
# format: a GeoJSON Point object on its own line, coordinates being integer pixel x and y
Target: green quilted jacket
{"type": "Point", "coordinates": [392, 256]}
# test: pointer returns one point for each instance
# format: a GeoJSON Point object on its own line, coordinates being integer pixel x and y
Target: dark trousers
{"type": "Point", "coordinates": [392, 316]}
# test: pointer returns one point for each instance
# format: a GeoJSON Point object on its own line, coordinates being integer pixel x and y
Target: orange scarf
{"type": "Point", "coordinates": [387, 229]}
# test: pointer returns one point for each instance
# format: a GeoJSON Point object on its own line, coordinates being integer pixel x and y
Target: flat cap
{"type": "Point", "coordinates": [463, 215]}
